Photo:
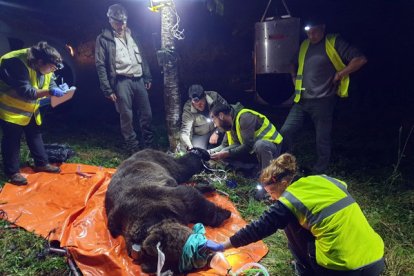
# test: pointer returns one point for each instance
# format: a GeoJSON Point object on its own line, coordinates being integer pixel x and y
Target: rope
{"type": "Point", "coordinates": [174, 28]}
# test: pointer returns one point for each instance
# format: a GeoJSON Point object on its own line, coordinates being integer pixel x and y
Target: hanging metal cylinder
{"type": "Point", "coordinates": [276, 43]}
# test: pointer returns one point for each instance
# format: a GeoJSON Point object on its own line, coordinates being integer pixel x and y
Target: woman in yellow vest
{"type": "Point", "coordinates": [26, 76]}
{"type": "Point", "coordinates": [327, 232]}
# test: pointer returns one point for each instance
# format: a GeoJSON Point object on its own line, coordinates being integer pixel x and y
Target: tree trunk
{"type": "Point", "coordinates": [172, 97]}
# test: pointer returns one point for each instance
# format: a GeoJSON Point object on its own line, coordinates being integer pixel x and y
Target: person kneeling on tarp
{"type": "Point", "coordinates": [327, 232]}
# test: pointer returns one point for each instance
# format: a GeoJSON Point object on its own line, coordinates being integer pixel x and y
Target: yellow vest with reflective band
{"type": "Point", "coordinates": [344, 240]}
{"type": "Point", "coordinates": [335, 59]}
{"type": "Point", "coordinates": [266, 132]}
{"type": "Point", "coordinates": [15, 108]}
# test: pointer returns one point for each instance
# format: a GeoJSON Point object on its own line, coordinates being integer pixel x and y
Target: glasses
{"type": "Point", "coordinates": [54, 67]}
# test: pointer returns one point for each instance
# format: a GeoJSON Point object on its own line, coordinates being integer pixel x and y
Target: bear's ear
{"type": "Point", "coordinates": [202, 153]}
{"type": "Point", "coordinates": [150, 243]}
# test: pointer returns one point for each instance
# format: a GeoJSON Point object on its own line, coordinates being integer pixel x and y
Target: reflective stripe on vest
{"type": "Point", "coordinates": [334, 58]}
{"type": "Point", "coordinates": [266, 132]}
{"type": "Point", "coordinates": [15, 108]}
{"type": "Point", "coordinates": [312, 219]}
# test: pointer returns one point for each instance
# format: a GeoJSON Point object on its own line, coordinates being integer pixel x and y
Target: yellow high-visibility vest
{"type": "Point", "coordinates": [335, 59]}
{"type": "Point", "coordinates": [15, 108]}
{"type": "Point", "coordinates": [266, 132]}
{"type": "Point", "coordinates": [344, 240]}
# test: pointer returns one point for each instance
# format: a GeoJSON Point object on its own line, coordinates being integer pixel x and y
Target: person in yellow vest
{"type": "Point", "coordinates": [250, 136]}
{"type": "Point", "coordinates": [26, 76]}
{"type": "Point", "coordinates": [324, 65]}
{"type": "Point", "coordinates": [327, 231]}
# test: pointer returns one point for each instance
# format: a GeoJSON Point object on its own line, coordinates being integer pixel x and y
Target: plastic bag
{"type": "Point", "coordinates": [59, 153]}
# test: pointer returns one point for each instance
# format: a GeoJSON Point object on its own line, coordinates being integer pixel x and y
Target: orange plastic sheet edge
{"type": "Point", "coordinates": [69, 207]}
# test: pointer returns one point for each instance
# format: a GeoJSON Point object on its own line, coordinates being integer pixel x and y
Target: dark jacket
{"type": "Point", "coordinates": [276, 217]}
{"type": "Point", "coordinates": [105, 61]}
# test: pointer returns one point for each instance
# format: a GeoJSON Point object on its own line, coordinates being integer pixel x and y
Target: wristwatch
{"type": "Point", "coordinates": [216, 132]}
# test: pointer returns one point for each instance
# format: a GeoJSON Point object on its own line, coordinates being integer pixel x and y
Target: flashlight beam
{"type": "Point", "coordinates": [17, 6]}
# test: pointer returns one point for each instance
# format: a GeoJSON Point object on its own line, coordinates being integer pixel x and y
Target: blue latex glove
{"type": "Point", "coordinates": [64, 86]}
{"type": "Point", "coordinates": [56, 91]}
{"type": "Point", "coordinates": [213, 246]}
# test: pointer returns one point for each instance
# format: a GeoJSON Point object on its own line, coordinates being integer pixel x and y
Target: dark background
{"type": "Point", "coordinates": [217, 52]}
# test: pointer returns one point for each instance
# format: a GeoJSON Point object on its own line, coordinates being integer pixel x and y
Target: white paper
{"type": "Point", "coordinates": [55, 101]}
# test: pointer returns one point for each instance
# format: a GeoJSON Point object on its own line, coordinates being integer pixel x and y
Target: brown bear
{"type": "Point", "coordinates": [146, 205]}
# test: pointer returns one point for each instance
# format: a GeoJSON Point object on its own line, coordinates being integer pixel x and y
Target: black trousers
{"type": "Point", "coordinates": [10, 145]}
{"type": "Point", "coordinates": [302, 246]}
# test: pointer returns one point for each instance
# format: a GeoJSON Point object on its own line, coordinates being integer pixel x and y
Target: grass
{"type": "Point", "coordinates": [389, 206]}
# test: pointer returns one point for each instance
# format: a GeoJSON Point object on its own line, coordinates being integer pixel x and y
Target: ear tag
{"type": "Point", "coordinates": [161, 259]}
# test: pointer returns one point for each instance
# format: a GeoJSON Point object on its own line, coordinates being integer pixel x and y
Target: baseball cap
{"type": "Point", "coordinates": [196, 92]}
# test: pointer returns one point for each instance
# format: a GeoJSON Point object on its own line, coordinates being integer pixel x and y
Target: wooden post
{"type": "Point", "coordinates": [172, 98]}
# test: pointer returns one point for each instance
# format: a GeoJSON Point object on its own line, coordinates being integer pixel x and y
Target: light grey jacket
{"type": "Point", "coordinates": [196, 122]}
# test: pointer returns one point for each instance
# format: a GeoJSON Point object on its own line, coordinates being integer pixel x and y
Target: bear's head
{"type": "Point", "coordinates": [201, 153]}
{"type": "Point", "coordinates": [171, 235]}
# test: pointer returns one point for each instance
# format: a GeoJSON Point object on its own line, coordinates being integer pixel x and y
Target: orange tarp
{"type": "Point", "coordinates": [70, 207]}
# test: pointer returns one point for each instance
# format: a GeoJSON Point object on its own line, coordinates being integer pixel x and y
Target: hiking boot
{"type": "Point", "coordinates": [18, 179]}
{"type": "Point", "coordinates": [47, 168]}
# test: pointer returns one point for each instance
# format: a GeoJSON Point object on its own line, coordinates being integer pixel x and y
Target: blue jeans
{"type": "Point", "coordinates": [132, 98]}
{"type": "Point", "coordinates": [10, 145]}
{"type": "Point", "coordinates": [321, 113]}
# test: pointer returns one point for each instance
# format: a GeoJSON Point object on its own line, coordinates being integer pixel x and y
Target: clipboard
{"type": "Point", "coordinates": [55, 101]}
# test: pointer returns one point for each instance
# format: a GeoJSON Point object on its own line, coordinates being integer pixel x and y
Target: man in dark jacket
{"type": "Point", "coordinates": [125, 77]}
{"type": "Point", "coordinates": [250, 136]}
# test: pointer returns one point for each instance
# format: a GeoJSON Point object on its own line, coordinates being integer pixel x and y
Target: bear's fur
{"type": "Point", "coordinates": [145, 204]}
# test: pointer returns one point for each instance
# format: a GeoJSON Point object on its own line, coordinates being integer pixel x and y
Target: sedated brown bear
{"type": "Point", "coordinates": [146, 205]}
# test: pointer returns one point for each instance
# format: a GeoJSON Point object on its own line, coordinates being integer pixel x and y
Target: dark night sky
{"type": "Point", "coordinates": [380, 28]}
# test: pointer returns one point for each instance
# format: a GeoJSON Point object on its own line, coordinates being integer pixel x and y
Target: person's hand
{"type": "Point", "coordinates": [219, 155]}
{"type": "Point", "coordinates": [213, 138]}
{"type": "Point", "coordinates": [213, 246]}
{"type": "Point", "coordinates": [148, 85]}
{"type": "Point", "coordinates": [338, 76]}
{"type": "Point", "coordinates": [112, 97]}
{"type": "Point", "coordinates": [56, 91]}
{"type": "Point", "coordinates": [64, 86]}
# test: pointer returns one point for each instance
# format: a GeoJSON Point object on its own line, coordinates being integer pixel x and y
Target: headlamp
{"type": "Point", "coordinates": [123, 21]}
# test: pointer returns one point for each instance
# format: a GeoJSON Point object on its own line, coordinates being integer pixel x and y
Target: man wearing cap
{"type": "Point", "coordinates": [125, 77]}
{"type": "Point", "coordinates": [322, 72]}
{"type": "Point", "coordinates": [197, 129]}
{"type": "Point", "coordinates": [26, 77]}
